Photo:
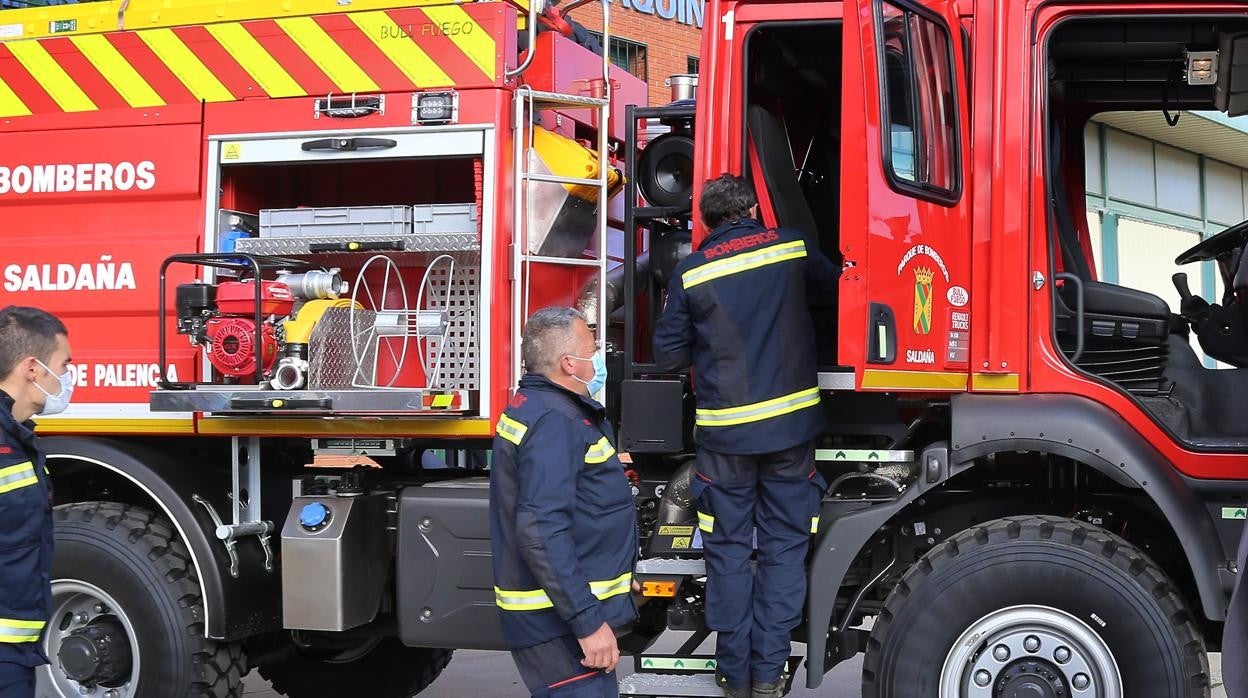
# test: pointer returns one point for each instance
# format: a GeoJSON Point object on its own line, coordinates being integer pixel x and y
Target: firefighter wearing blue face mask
{"type": "Point", "coordinates": [736, 311]}
{"type": "Point", "coordinates": [563, 522]}
{"type": "Point", "coordinates": [34, 363]}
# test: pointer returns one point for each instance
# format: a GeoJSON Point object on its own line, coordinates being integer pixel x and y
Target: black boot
{"type": "Point", "coordinates": [768, 689]}
{"type": "Point", "coordinates": [729, 691]}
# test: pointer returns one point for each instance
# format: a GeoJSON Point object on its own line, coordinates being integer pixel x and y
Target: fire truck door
{"type": "Point", "coordinates": [905, 214]}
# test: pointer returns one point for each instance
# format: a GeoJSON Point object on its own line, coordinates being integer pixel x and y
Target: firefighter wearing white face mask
{"type": "Point", "coordinates": [34, 379]}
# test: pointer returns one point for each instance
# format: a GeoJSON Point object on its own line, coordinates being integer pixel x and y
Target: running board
{"type": "Point", "coordinates": [671, 566]}
{"type": "Point", "coordinates": [858, 455]}
{"type": "Point", "coordinates": [662, 685]}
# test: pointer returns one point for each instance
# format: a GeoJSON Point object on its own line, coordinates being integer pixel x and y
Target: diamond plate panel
{"type": "Point", "coordinates": [459, 296]}
{"type": "Point", "coordinates": [331, 363]}
{"type": "Point", "coordinates": [416, 242]}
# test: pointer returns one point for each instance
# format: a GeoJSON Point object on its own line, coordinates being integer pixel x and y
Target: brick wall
{"type": "Point", "coordinates": [669, 43]}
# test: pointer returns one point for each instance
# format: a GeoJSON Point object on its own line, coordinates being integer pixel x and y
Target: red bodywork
{"type": "Point", "coordinates": [991, 240]}
{"type": "Point", "coordinates": [137, 182]}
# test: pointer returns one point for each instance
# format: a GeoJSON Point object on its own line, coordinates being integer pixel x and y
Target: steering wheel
{"type": "Point", "coordinates": [1224, 243]}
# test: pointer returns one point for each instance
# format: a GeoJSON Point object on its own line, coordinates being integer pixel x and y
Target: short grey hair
{"type": "Point", "coordinates": [548, 337]}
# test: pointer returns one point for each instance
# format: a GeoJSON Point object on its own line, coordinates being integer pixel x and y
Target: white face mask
{"type": "Point", "coordinates": [55, 404]}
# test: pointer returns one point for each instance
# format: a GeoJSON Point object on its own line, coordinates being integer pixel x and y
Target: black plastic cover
{"type": "Point", "coordinates": [445, 581]}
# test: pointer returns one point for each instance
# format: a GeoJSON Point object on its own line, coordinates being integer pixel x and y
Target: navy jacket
{"type": "Point", "coordinates": [563, 524]}
{"type": "Point", "coordinates": [737, 312]}
{"type": "Point", "coordinates": [25, 541]}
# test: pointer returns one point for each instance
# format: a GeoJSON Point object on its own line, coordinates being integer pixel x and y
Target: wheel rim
{"type": "Point", "coordinates": [107, 663]}
{"type": "Point", "coordinates": [1030, 652]}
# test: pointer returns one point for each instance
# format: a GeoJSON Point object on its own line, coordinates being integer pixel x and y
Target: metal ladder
{"type": "Point", "coordinates": [527, 105]}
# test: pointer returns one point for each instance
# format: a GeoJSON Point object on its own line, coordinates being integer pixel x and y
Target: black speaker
{"type": "Point", "coordinates": [665, 171]}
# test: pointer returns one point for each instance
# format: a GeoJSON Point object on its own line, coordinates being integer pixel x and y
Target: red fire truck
{"type": "Point", "coordinates": [295, 243]}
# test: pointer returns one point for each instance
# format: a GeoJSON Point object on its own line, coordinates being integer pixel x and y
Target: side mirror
{"type": "Point", "coordinates": [1231, 90]}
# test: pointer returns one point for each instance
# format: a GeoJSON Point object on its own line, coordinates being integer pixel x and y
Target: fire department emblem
{"type": "Point", "coordinates": [922, 300]}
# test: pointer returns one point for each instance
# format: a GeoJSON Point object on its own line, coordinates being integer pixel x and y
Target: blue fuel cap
{"type": "Point", "coordinates": [313, 515]}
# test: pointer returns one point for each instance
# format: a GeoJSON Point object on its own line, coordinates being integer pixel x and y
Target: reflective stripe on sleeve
{"type": "Point", "coordinates": [17, 476]}
{"type": "Point", "coordinates": [613, 587]}
{"type": "Point", "coordinates": [510, 429]}
{"type": "Point", "coordinates": [522, 600]}
{"type": "Point", "coordinates": [743, 262]}
{"type": "Point", "coordinates": [536, 600]}
{"type": "Point", "coordinates": [20, 630]}
{"type": "Point", "coordinates": [758, 411]}
{"type": "Point", "coordinates": [814, 524]}
{"type": "Point", "coordinates": [600, 452]}
{"type": "Point", "coordinates": [706, 522]}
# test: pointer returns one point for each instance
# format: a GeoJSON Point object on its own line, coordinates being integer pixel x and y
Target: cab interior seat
{"type": "Point", "coordinates": [793, 127]}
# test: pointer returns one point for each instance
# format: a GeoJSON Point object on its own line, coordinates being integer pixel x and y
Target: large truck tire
{"type": "Point", "coordinates": [382, 668]}
{"type": "Point", "coordinates": [1035, 606]}
{"type": "Point", "coordinates": [127, 615]}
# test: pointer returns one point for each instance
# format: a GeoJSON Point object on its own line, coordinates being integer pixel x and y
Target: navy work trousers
{"type": "Point", "coordinates": [553, 669]}
{"type": "Point", "coordinates": [774, 497]}
{"type": "Point", "coordinates": [16, 681]}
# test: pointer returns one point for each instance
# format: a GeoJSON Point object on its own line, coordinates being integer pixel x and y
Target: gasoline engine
{"type": "Point", "coordinates": [221, 318]}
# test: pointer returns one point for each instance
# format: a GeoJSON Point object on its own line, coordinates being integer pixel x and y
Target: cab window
{"type": "Point", "coordinates": [919, 106]}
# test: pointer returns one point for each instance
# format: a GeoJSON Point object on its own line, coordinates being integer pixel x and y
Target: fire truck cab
{"type": "Point", "coordinates": [295, 245]}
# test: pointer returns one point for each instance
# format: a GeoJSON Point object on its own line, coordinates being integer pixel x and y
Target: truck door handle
{"type": "Point", "coordinates": [349, 144]}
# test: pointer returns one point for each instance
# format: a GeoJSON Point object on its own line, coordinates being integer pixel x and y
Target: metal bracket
{"type": "Point", "coordinates": [244, 464]}
{"type": "Point", "coordinates": [216, 522]}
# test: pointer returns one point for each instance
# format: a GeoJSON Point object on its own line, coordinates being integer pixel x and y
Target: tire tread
{"type": "Point", "coordinates": [1118, 552]}
{"type": "Point", "coordinates": [218, 667]}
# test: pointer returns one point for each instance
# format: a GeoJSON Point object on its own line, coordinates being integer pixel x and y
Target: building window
{"type": "Point", "coordinates": [691, 65]}
{"type": "Point", "coordinates": [922, 150]}
{"type": "Point", "coordinates": [628, 55]}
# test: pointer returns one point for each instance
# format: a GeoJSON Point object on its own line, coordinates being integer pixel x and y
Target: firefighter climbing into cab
{"type": "Point", "coordinates": [736, 311]}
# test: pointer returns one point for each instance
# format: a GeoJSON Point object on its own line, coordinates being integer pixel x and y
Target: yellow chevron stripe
{"type": "Point", "coordinates": [478, 45]}
{"type": "Point", "coordinates": [262, 67]}
{"type": "Point", "coordinates": [184, 64]}
{"type": "Point", "coordinates": [119, 73]}
{"type": "Point", "coordinates": [327, 54]}
{"type": "Point", "coordinates": [10, 103]}
{"type": "Point", "coordinates": [406, 54]}
{"type": "Point", "coordinates": [62, 88]}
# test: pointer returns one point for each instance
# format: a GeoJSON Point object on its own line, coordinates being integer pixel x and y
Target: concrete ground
{"type": "Point", "coordinates": [492, 675]}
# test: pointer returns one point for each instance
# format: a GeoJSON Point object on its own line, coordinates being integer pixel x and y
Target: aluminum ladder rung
{"type": "Point", "coordinates": [546, 100]}
{"type": "Point", "coordinates": [558, 179]}
{"type": "Point", "coordinates": [567, 261]}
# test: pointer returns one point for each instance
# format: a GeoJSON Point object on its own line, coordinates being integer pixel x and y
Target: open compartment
{"type": "Point", "coordinates": [369, 259]}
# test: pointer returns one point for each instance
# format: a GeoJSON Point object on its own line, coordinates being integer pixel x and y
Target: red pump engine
{"type": "Point", "coordinates": [223, 318]}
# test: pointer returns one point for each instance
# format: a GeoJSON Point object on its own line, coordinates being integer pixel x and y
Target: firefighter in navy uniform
{"type": "Point", "coordinates": [562, 518]}
{"type": "Point", "coordinates": [737, 312]}
{"type": "Point", "coordinates": [34, 365]}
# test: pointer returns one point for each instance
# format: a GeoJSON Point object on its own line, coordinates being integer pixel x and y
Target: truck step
{"type": "Point", "coordinates": [860, 455]}
{"type": "Point", "coordinates": [672, 566]}
{"type": "Point", "coordinates": [663, 685]}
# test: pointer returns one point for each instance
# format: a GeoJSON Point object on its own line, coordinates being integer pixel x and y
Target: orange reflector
{"type": "Point", "coordinates": [663, 589]}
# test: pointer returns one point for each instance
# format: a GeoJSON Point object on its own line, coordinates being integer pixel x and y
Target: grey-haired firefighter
{"type": "Point", "coordinates": [737, 312]}
{"type": "Point", "coordinates": [563, 520]}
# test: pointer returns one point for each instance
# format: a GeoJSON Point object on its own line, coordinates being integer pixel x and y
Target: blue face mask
{"type": "Point", "coordinates": [599, 380]}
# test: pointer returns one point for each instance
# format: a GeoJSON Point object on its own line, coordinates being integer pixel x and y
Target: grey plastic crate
{"type": "Point", "coordinates": [445, 219]}
{"type": "Point", "coordinates": [347, 221]}
{"type": "Point", "coordinates": [369, 221]}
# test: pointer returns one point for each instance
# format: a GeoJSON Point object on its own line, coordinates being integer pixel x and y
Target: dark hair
{"type": "Point", "coordinates": [725, 199]}
{"type": "Point", "coordinates": [27, 332]}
